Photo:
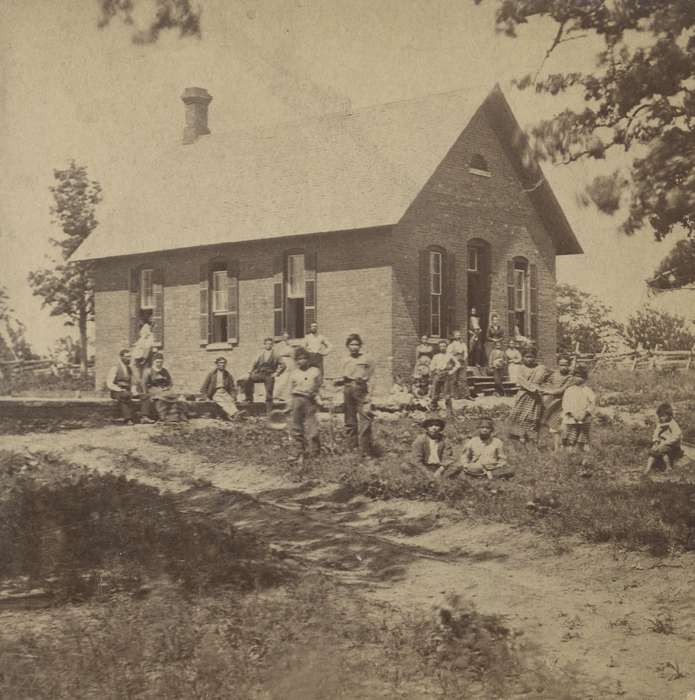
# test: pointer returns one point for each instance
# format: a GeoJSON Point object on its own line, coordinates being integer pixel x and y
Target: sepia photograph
{"type": "Point", "coordinates": [347, 349]}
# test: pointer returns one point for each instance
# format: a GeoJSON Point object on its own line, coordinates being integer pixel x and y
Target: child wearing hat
{"type": "Point", "coordinates": [429, 452]}
{"type": "Point", "coordinates": [578, 404]}
{"type": "Point", "coordinates": [483, 455]}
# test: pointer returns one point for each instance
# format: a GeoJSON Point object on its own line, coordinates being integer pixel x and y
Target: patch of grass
{"type": "Point", "coordinates": [621, 387]}
{"type": "Point", "coordinates": [82, 534]}
{"type": "Point", "coordinates": [309, 642]}
{"type": "Point", "coordinates": [602, 501]}
{"type": "Point", "coordinates": [29, 384]}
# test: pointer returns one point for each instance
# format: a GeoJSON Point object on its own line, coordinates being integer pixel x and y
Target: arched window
{"type": "Point", "coordinates": [437, 292]}
{"type": "Point", "coordinates": [478, 165]}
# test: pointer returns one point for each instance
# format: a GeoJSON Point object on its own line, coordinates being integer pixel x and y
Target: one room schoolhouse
{"type": "Point", "coordinates": [392, 221]}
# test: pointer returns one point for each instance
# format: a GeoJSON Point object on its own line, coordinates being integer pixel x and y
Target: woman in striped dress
{"type": "Point", "coordinates": [527, 411]}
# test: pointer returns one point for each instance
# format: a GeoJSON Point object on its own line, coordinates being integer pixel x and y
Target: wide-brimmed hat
{"type": "Point", "coordinates": [434, 421]}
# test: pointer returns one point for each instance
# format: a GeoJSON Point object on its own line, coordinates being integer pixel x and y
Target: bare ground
{"type": "Point", "coordinates": [591, 611]}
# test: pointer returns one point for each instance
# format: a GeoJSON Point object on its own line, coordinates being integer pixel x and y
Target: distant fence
{"type": "Point", "coordinates": [635, 360]}
{"type": "Point", "coordinates": [13, 369]}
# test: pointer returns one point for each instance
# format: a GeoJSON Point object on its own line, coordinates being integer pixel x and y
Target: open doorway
{"type": "Point", "coordinates": [478, 276]}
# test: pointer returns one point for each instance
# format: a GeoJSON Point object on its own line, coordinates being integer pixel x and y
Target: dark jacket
{"type": "Point", "coordinates": [265, 366]}
{"type": "Point", "coordinates": [210, 383]}
{"type": "Point", "coordinates": [420, 451]}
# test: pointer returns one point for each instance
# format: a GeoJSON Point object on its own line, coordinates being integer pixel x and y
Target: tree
{"type": "Point", "coordinates": [677, 269]}
{"type": "Point", "coordinates": [13, 342]}
{"type": "Point", "coordinates": [639, 97]}
{"type": "Point", "coordinates": [583, 319]}
{"type": "Point", "coordinates": [650, 327]}
{"type": "Point", "coordinates": [168, 14]}
{"type": "Point", "coordinates": [67, 287]}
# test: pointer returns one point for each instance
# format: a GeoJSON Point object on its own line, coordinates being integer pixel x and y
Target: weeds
{"type": "Point", "coordinates": [661, 624]}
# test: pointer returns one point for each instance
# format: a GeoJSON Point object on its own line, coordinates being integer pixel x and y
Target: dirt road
{"type": "Point", "coordinates": [620, 624]}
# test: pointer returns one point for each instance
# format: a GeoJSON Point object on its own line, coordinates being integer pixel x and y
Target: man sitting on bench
{"type": "Point", "coordinates": [264, 371]}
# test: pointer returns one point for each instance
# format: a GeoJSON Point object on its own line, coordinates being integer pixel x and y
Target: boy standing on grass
{"type": "Point", "coordinates": [483, 455]}
{"type": "Point", "coordinates": [304, 384]}
{"type": "Point", "coordinates": [428, 450]}
{"type": "Point", "coordinates": [666, 443]}
{"type": "Point", "coordinates": [444, 368]}
{"type": "Point", "coordinates": [578, 404]}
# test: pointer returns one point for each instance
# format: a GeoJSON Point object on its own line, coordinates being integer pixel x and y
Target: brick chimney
{"type": "Point", "coordinates": [196, 100]}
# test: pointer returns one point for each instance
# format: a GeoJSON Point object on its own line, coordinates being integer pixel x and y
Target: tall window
{"type": "Point", "coordinates": [146, 290]}
{"type": "Point", "coordinates": [219, 302]}
{"type": "Point", "coordinates": [473, 259]}
{"type": "Point", "coordinates": [436, 269]}
{"type": "Point", "coordinates": [296, 290]}
{"type": "Point", "coordinates": [146, 301]}
{"type": "Point", "coordinates": [521, 296]}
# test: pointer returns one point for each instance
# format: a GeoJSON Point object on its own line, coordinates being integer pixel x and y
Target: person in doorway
{"type": "Point", "coordinates": [358, 369]}
{"type": "Point", "coordinates": [483, 455]}
{"type": "Point", "coordinates": [317, 346]}
{"type": "Point", "coordinates": [497, 366]}
{"type": "Point", "coordinates": [219, 386]}
{"type": "Point", "coordinates": [304, 385]}
{"type": "Point", "coordinates": [475, 341]}
{"type": "Point", "coordinates": [284, 351]}
{"type": "Point", "coordinates": [429, 451]}
{"type": "Point", "coordinates": [444, 368]}
{"type": "Point", "coordinates": [666, 443]}
{"type": "Point", "coordinates": [264, 371]}
{"type": "Point", "coordinates": [527, 411]}
{"type": "Point", "coordinates": [119, 382]}
{"type": "Point", "coordinates": [458, 348]}
{"type": "Point", "coordinates": [142, 355]}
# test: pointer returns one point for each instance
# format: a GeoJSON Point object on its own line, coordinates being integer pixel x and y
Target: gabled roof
{"type": "Point", "coordinates": [334, 173]}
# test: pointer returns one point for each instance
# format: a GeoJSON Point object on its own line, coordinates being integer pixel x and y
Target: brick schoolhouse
{"type": "Point", "coordinates": [392, 222]}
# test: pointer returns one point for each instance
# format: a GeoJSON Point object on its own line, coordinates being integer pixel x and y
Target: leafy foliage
{"type": "Point", "coordinates": [168, 14]}
{"type": "Point", "coordinates": [639, 97]}
{"type": "Point", "coordinates": [13, 342]}
{"type": "Point", "coordinates": [650, 327]}
{"type": "Point", "coordinates": [67, 287]}
{"type": "Point", "coordinates": [584, 320]}
{"type": "Point", "coordinates": [677, 269]}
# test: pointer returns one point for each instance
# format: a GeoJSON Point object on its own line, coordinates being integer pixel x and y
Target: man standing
{"type": "Point", "coordinates": [444, 367]}
{"type": "Point", "coordinates": [317, 347]}
{"type": "Point", "coordinates": [357, 371]}
{"type": "Point", "coordinates": [219, 387]}
{"type": "Point", "coordinates": [119, 382]}
{"type": "Point", "coordinates": [264, 371]}
{"type": "Point", "coordinates": [457, 348]}
{"type": "Point", "coordinates": [304, 384]}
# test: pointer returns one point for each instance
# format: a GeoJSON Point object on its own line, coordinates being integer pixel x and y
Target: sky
{"type": "Point", "coordinates": [69, 90]}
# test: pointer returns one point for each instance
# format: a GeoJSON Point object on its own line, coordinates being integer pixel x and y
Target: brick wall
{"type": "Point", "coordinates": [456, 206]}
{"type": "Point", "coordinates": [354, 283]}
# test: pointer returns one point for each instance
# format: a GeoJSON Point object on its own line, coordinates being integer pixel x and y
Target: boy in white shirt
{"type": "Point", "coordinates": [304, 385]}
{"type": "Point", "coordinates": [666, 443]}
{"type": "Point", "coordinates": [578, 404]}
{"type": "Point", "coordinates": [443, 368]}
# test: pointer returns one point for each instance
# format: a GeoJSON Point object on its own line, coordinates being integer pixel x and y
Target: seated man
{"type": "Point", "coordinates": [219, 387]}
{"type": "Point", "coordinates": [159, 402]}
{"type": "Point", "coordinates": [483, 455]}
{"type": "Point", "coordinates": [429, 452]}
{"type": "Point", "coordinates": [266, 367]}
{"type": "Point", "coordinates": [119, 382]}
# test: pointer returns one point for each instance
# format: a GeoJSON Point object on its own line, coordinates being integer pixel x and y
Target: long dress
{"type": "Point", "coordinates": [527, 411]}
{"type": "Point", "coordinates": [285, 351]}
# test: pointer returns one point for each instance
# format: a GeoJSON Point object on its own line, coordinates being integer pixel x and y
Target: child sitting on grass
{"type": "Point", "coordinates": [483, 455]}
{"type": "Point", "coordinates": [429, 453]}
{"type": "Point", "coordinates": [578, 404]}
{"type": "Point", "coordinates": [666, 443]}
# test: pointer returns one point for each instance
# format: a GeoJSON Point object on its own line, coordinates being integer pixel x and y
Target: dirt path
{"type": "Point", "coordinates": [590, 610]}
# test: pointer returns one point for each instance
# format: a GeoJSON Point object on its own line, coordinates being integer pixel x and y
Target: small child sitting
{"type": "Point", "coordinates": [666, 443]}
{"type": "Point", "coordinates": [399, 397]}
{"type": "Point", "coordinates": [429, 452]}
{"type": "Point", "coordinates": [578, 403]}
{"type": "Point", "coordinates": [483, 455]}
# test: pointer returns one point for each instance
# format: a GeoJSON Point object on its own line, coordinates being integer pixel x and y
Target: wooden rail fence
{"type": "Point", "coordinates": [635, 360]}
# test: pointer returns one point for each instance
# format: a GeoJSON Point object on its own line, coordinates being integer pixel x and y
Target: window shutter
{"type": "Point", "coordinates": [424, 302]}
{"type": "Point", "coordinates": [233, 301]}
{"type": "Point", "coordinates": [511, 316]}
{"type": "Point", "coordinates": [205, 321]}
{"type": "Point", "coordinates": [133, 306]}
{"type": "Point", "coordinates": [158, 311]}
{"type": "Point", "coordinates": [533, 301]}
{"type": "Point", "coordinates": [309, 290]}
{"type": "Point", "coordinates": [451, 324]}
{"type": "Point", "coordinates": [278, 295]}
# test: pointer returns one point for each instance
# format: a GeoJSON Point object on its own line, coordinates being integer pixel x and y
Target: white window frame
{"type": "Point", "coordinates": [146, 285]}
{"type": "Point", "coordinates": [473, 259]}
{"type": "Point", "coordinates": [219, 292]}
{"type": "Point", "coordinates": [520, 288]}
{"type": "Point", "coordinates": [436, 270]}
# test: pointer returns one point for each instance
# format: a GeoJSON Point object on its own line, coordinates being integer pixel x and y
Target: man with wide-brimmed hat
{"type": "Point", "coordinates": [483, 455]}
{"type": "Point", "coordinates": [429, 452]}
